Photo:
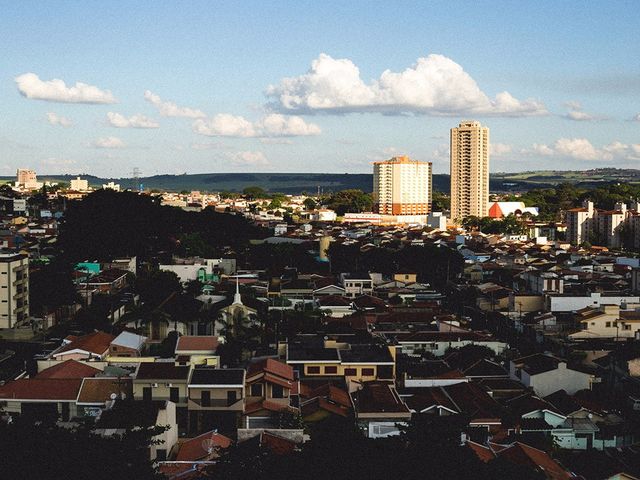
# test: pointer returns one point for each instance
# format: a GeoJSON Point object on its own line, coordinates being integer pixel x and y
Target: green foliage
{"type": "Point", "coordinates": [510, 225]}
{"type": "Point", "coordinates": [254, 192]}
{"type": "Point", "coordinates": [352, 201]}
{"type": "Point", "coordinates": [440, 201]}
{"type": "Point", "coordinates": [310, 204]}
{"type": "Point", "coordinates": [108, 224]}
{"type": "Point", "coordinates": [43, 450]}
{"type": "Point", "coordinates": [155, 286]}
{"type": "Point", "coordinates": [51, 286]}
{"type": "Point", "coordinates": [434, 265]}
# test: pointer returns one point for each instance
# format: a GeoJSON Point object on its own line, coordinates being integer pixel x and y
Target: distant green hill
{"type": "Point", "coordinates": [292, 183]}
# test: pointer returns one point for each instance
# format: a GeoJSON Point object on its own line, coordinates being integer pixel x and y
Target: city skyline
{"type": "Point", "coordinates": [98, 89]}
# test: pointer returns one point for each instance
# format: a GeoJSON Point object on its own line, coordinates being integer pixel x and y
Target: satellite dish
{"type": "Point", "coordinates": [208, 445]}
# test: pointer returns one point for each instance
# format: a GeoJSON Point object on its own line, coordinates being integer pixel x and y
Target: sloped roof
{"type": "Point", "coordinates": [69, 369]}
{"type": "Point", "coordinates": [270, 365]}
{"type": "Point", "coordinates": [129, 340]}
{"type": "Point", "coordinates": [54, 389]}
{"type": "Point", "coordinates": [200, 343]}
{"type": "Point", "coordinates": [96, 342]}
{"type": "Point", "coordinates": [198, 448]}
{"type": "Point", "coordinates": [526, 455]}
{"type": "Point", "coordinates": [99, 390]}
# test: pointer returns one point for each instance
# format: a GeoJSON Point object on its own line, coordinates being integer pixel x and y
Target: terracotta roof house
{"type": "Point", "coordinates": [92, 346]}
{"type": "Point", "coordinates": [41, 397]}
{"type": "Point", "coordinates": [203, 447]}
{"type": "Point", "coordinates": [379, 409]}
{"type": "Point", "coordinates": [269, 385]}
{"type": "Point", "coordinates": [69, 369]}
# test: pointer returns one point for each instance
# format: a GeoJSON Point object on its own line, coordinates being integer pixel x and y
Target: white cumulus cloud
{"type": "Point", "coordinates": [170, 109]}
{"type": "Point", "coordinates": [578, 148]}
{"type": "Point", "coordinates": [108, 142]}
{"type": "Point", "coordinates": [251, 159]}
{"type": "Point", "coordinates": [499, 149]}
{"type": "Point", "coordinates": [55, 119]}
{"type": "Point", "coordinates": [434, 85]}
{"type": "Point", "coordinates": [30, 86]}
{"type": "Point", "coordinates": [272, 125]}
{"type": "Point", "coordinates": [577, 113]}
{"type": "Point", "coordinates": [136, 121]}
{"type": "Point", "coordinates": [583, 149]}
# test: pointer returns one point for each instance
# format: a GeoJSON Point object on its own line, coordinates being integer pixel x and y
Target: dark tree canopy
{"type": "Point", "coordinates": [108, 224]}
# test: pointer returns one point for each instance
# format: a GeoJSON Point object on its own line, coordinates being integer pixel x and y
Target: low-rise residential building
{"type": "Point", "coordinates": [547, 374]}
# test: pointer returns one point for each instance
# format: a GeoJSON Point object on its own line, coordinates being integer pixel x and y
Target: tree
{"type": "Point", "coordinates": [350, 201]}
{"type": "Point", "coordinates": [74, 451]}
{"type": "Point", "coordinates": [51, 286]}
{"type": "Point", "coordinates": [155, 286]}
{"type": "Point", "coordinates": [253, 192]}
{"type": "Point", "coordinates": [310, 204]}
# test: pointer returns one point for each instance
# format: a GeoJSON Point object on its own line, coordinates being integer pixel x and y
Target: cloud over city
{"type": "Point", "coordinates": [272, 125]}
{"type": "Point", "coordinates": [434, 85]}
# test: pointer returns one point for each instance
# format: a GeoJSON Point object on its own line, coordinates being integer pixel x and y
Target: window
{"type": "Point", "coordinates": [332, 370]}
{"type": "Point", "coordinates": [205, 398]}
{"type": "Point", "coordinates": [232, 397]}
{"type": "Point", "coordinates": [174, 394]}
{"type": "Point", "coordinates": [277, 391]}
{"type": "Point", "coordinates": [608, 324]}
{"type": "Point", "coordinates": [256, 390]}
{"type": "Point", "coordinates": [313, 370]}
{"type": "Point", "coordinates": [146, 394]}
{"type": "Point", "coordinates": [627, 327]}
{"type": "Point", "coordinates": [368, 372]}
{"type": "Point", "coordinates": [350, 372]}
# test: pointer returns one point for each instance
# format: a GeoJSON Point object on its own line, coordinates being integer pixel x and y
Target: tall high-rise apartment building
{"type": "Point", "coordinates": [469, 170]}
{"type": "Point", "coordinates": [402, 186]}
{"type": "Point", "coordinates": [14, 294]}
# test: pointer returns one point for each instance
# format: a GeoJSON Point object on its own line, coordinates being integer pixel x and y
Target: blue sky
{"type": "Point", "coordinates": [314, 86]}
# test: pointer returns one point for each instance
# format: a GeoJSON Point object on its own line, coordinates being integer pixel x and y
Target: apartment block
{"type": "Point", "coordinates": [14, 286]}
{"type": "Point", "coordinates": [402, 186]}
{"type": "Point", "coordinates": [469, 170]}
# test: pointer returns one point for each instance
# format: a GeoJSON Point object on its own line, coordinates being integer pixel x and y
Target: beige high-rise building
{"type": "Point", "coordinates": [402, 186]}
{"type": "Point", "coordinates": [469, 170]}
{"type": "Point", "coordinates": [14, 294]}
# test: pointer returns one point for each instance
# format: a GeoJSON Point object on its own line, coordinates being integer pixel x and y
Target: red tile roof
{"type": "Point", "coordinates": [69, 369]}
{"type": "Point", "coordinates": [273, 366]}
{"type": "Point", "coordinates": [96, 342]}
{"type": "Point", "coordinates": [197, 343]}
{"type": "Point", "coordinates": [523, 454]}
{"type": "Point", "coordinates": [198, 448]}
{"type": "Point", "coordinates": [483, 453]}
{"type": "Point", "coordinates": [277, 445]}
{"type": "Point", "coordinates": [99, 390]}
{"type": "Point", "coordinates": [54, 389]}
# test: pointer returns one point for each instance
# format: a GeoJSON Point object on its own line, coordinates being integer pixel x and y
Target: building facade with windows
{"type": "Point", "coordinates": [469, 170]}
{"type": "Point", "coordinates": [14, 289]}
{"type": "Point", "coordinates": [402, 186]}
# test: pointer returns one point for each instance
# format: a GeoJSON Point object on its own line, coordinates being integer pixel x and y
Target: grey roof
{"type": "Point", "coordinates": [129, 340]}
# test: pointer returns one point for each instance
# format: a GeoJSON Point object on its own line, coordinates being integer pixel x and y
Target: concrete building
{"type": "Point", "coordinates": [609, 226]}
{"type": "Point", "coordinates": [402, 186]}
{"type": "Point", "coordinates": [79, 185]}
{"type": "Point", "coordinates": [27, 179]}
{"type": "Point", "coordinates": [469, 170]}
{"type": "Point", "coordinates": [580, 223]}
{"type": "Point", "coordinates": [14, 294]}
{"type": "Point", "coordinates": [111, 186]}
